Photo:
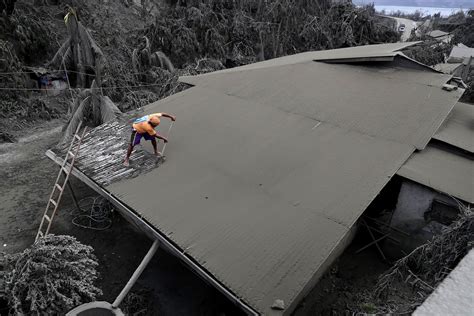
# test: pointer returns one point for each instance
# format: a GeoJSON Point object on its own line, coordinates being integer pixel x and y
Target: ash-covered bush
{"type": "Point", "coordinates": [429, 52]}
{"type": "Point", "coordinates": [51, 277]}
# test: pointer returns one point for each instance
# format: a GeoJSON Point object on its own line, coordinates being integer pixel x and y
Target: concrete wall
{"type": "Point", "coordinates": [413, 202]}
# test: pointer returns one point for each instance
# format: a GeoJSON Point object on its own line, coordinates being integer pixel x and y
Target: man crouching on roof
{"type": "Point", "coordinates": [145, 127]}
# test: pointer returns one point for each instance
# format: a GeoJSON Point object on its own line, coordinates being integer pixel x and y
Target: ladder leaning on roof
{"type": "Point", "coordinates": [64, 172]}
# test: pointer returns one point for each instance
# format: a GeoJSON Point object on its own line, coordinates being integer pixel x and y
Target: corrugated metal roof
{"type": "Point", "coordinates": [381, 101]}
{"type": "Point", "coordinates": [461, 51]}
{"type": "Point", "coordinates": [443, 170]}
{"type": "Point", "coordinates": [447, 68]}
{"type": "Point", "coordinates": [268, 169]}
{"type": "Point", "coordinates": [437, 33]}
{"type": "Point", "coordinates": [258, 196]}
{"type": "Point", "coordinates": [348, 54]}
{"type": "Point", "coordinates": [458, 129]}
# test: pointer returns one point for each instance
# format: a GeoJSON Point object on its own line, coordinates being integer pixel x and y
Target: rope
{"type": "Point", "coordinates": [94, 213]}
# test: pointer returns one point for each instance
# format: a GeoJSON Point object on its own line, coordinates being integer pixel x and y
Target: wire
{"type": "Point", "coordinates": [94, 213]}
{"type": "Point", "coordinates": [26, 72]}
{"type": "Point", "coordinates": [112, 87]}
{"type": "Point", "coordinates": [61, 70]}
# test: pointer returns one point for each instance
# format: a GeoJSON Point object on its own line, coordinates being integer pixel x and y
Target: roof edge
{"type": "Point", "coordinates": [378, 58]}
{"type": "Point", "coordinates": [304, 57]}
{"type": "Point", "coordinates": [400, 54]}
{"type": "Point", "coordinates": [153, 233]}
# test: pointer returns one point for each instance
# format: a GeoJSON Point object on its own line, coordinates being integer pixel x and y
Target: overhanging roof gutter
{"type": "Point", "coordinates": [152, 233]}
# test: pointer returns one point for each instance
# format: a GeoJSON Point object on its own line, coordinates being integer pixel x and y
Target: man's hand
{"type": "Point", "coordinates": [165, 140]}
{"type": "Point", "coordinates": [173, 118]}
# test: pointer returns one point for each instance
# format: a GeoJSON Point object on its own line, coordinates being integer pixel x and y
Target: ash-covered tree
{"type": "Point", "coordinates": [7, 6]}
{"type": "Point", "coordinates": [84, 59]}
{"type": "Point", "coordinates": [51, 277]}
{"type": "Point", "coordinates": [92, 107]}
{"type": "Point", "coordinates": [79, 53]}
{"type": "Point", "coordinates": [143, 59]}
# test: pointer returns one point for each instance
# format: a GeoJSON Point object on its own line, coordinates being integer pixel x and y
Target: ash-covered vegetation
{"type": "Point", "coordinates": [51, 277]}
{"type": "Point", "coordinates": [144, 46]}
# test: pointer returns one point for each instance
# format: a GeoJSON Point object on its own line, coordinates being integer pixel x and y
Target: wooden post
{"type": "Point", "coordinates": [73, 196]}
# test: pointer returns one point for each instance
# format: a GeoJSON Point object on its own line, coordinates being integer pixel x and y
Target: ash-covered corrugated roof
{"type": "Point", "coordinates": [447, 168]}
{"type": "Point", "coordinates": [258, 196]}
{"type": "Point", "coordinates": [269, 167]}
{"type": "Point", "coordinates": [378, 100]}
{"type": "Point", "coordinates": [447, 68]}
{"type": "Point", "coordinates": [349, 54]}
{"type": "Point", "coordinates": [437, 33]}
{"type": "Point", "coordinates": [442, 169]}
{"type": "Point", "coordinates": [458, 129]}
{"type": "Point", "coordinates": [461, 51]}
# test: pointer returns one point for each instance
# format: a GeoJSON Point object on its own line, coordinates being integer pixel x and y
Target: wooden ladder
{"type": "Point", "coordinates": [58, 189]}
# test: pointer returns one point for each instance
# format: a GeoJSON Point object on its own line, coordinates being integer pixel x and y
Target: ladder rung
{"type": "Point", "coordinates": [77, 137]}
{"type": "Point", "coordinates": [53, 202]}
{"type": "Point", "coordinates": [70, 153]}
{"type": "Point", "coordinates": [47, 218]}
{"type": "Point", "coordinates": [60, 188]}
{"type": "Point", "coordinates": [65, 170]}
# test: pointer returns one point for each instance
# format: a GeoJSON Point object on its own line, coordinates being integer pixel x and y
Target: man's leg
{"type": "Point", "coordinates": [129, 152]}
{"type": "Point", "coordinates": [155, 147]}
{"type": "Point", "coordinates": [130, 148]}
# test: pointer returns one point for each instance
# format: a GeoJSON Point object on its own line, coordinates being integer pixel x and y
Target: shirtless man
{"type": "Point", "coordinates": [144, 127]}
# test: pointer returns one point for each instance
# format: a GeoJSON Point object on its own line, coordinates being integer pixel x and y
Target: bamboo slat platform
{"type": "Point", "coordinates": [103, 150]}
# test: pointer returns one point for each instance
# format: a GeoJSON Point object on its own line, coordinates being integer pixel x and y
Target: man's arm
{"type": "Point", "coordinates": [161, 137]}
{"type": "Point", "coordinates": [171, 117]}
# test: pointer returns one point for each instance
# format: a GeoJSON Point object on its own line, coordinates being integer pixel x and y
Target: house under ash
{"type": "Point", "coordinates": [271, 165]}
